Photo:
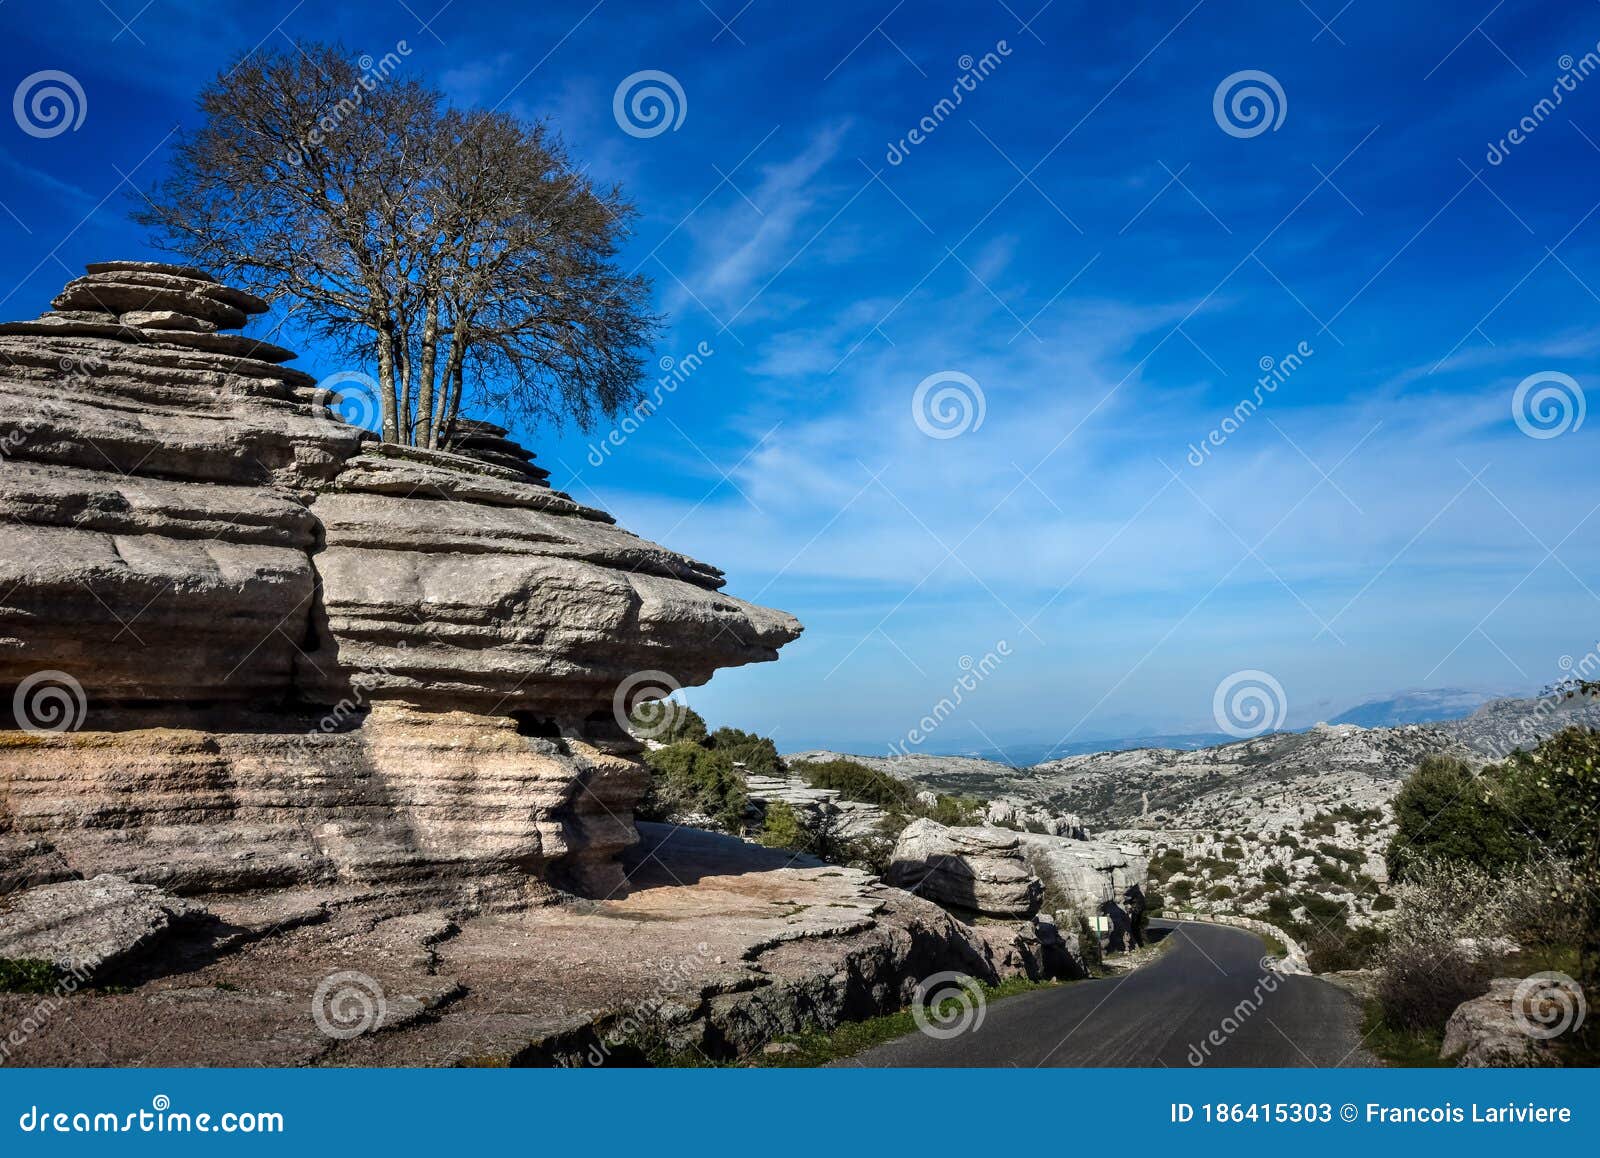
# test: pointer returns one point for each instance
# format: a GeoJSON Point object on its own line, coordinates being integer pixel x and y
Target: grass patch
{"type": "Point", "coordinates": [853, 1037]}
{"type": "Point", "coordinates": [1403, 1048]}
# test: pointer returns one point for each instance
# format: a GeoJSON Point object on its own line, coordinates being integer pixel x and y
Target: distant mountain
{"type": "Point", "coordinates": [1418, 707]}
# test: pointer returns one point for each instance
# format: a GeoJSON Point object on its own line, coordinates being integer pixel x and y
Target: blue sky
{"type": "Point", "coordinates": [1106, 265]}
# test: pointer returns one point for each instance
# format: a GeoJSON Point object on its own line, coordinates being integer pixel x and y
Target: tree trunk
{"type": "Point", "coordinates": [427, 435]}
{"type": "Point", "coordinates": [448, 383]}
{"type": "Point", "coordinates": [453, 407]}
{"type": "Point", "coordinates": [408, 426]}
{"type": "Point", "coordinates": [388, 397]}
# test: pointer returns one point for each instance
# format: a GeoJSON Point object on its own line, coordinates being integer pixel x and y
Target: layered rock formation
{"type": "Point", "coordinates": [1080, 875]}
{"type": "Point", "coordinates": [719, 947]}
{"type": "Point", "coordinates": [249, 646]}
{"type": "Point", "coordinates": [979, 871]}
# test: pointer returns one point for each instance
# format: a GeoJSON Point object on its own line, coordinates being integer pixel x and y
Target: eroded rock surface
{"type": "Point", "coordinates": [974, 870]}
{"type": "Point", "coordinates": [1515, 1023]}
{"type": "Point", "coordinates": [250, 647]}
{"type": "Point", "coordinates": [717, 947]}
{"type": "Point", "coordinates": [91, 926]}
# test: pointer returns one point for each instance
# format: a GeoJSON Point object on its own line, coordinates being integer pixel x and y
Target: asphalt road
{"type": "Point", "coordinates": [1164, 1014]}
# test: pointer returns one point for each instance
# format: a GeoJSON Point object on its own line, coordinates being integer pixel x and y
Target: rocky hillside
{"type": "Point", "coordinates": [1290, 826]}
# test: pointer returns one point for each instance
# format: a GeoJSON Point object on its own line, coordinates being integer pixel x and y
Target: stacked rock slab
{"type": "Point", "coordinates": [978, 870]}
{"type": "Point", "coordinates": [286, 653]}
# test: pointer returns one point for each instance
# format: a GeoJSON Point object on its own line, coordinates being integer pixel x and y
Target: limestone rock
{"type": "Point", "coordinates": [1491, 1030]}
{"type": "Point", "coordinates": [294, 657]}
{"type": "Point", "coordinates": [1079, 875]}
{"type": "Point", "coordinates": [125, 292]}
{"type": "Point", "coordinates": [166, 320]}
{"type": "Point", "coordinates": [974, 870]}
{"type": "Point", "coordinates": [90, 927]}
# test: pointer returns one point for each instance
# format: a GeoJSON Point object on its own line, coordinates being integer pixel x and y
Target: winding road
{"type": "Point", "coordinates": [1205, 1001]}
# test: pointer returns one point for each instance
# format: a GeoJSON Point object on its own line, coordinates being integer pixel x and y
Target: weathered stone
{"type": "Point", "coordinates": [220, 565]}
{"type": "Point", "coordinates": [125, 292]}
{"type": "Point", "coordinates": [231, 345]}
{"type": "Point", "coordinates": [973, 870]}
{"type": "Point", "coordinates": [1079, 875]}
{"type": "Point", "coordinates": [716, 948]}
{"type": "Point", "coordinates": [90, 928]}
{"type": "Point", "coordinates": [185, 271]}
{"type": "Point", "coordinates": [1492, 1031]}
{"type": "Point", "coordinates": [166, 320]}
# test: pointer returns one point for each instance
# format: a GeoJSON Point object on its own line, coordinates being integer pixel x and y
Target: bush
{"type": "Point", "coordinates": [857, 782]}
{"type": "Point", "coordinates": [758, 754]}
{"type": "Point", "coordinates": [27, 975]}
{"type": "Point", "coordinates": [782, 828]}
{"type": "Point", "coordinates": [1452, 920]}
{"type": "Point", "coordinates": [1346, 948]}
{"type": "Point", "coordinates": [1444, 812]}
{"type": "Point", "coordinates": [686, 778]}
{"type": "Point", "coordinates": [684, 724]}
{"type": "Point", "coordinates": [955, 811]}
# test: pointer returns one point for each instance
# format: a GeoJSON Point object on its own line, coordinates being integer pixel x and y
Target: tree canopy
{"type": "Point", "coordinates": [446, 249]}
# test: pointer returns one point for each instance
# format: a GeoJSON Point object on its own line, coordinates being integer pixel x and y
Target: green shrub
{"type": "Point", "coordinates": [758, 754]}
{"type": "Point", "coordinates": [1444, 812]}
{"type": "Point", "coordinates": [956, 811]}
{"type": "Point", "coordinates": [684, 725]}
{"type": "Point", "coordinates": [857, 782]}
{"type": "Point", "coordinates": [686, 778]}
{"type": "Point", "coordinates": [782, 828]}
{"type": "Point", "coordinates": [1382, 903]}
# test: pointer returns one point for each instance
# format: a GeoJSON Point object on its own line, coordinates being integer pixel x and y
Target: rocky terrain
{"type": "Point", "coordinates": [715, 948]}
{"type": "Point", "coordinates": [1291, 826]}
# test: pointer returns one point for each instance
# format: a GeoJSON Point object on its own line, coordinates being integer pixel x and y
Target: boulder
{"type": "Point", "coordinates": [90, 927]}
{"type": "Point", "coordinates": [1079, 875]}
{"type": "Point", "coordinates": [971, 870]}
{"type": "Point", "coordinates": [1515, 1023]}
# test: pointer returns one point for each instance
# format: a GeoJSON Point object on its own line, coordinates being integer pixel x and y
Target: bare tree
{"type": "Point", "coordinates": [454, 249]}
